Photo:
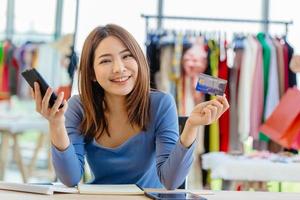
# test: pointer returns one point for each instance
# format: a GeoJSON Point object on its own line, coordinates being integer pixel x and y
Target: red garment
{"type": "Point", "coordinates": [5, 75]}
{"type": "Point", "coordinates": [10, 70]}
{"type": "Point", "coordinates": [286, 66]}
{"type": "Point", "coordinates": [224, 119]}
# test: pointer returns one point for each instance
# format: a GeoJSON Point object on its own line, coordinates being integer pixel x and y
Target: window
{"type": "Point", "coordinates": [34, 19]}
{"type": "Point", "coordinates": [68, 17]}
{"type": "Point", "coordinates": [3, 7]}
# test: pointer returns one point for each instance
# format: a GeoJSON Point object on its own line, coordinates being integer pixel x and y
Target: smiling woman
{"type": "Point", "coordinates": [114, 66]}
{"type": "Point", "coordinates": [113, 62]}
{"type": "Point", "coordinates": [128, 132]}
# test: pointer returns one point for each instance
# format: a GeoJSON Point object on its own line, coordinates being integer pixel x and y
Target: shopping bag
{"type": "Point", "coordinates": [283, 125]}
{"type": "Point", "coordinates": [296, 143]}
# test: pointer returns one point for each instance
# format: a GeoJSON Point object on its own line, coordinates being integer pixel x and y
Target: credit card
{"type": "Point", "coordinates": [211, 85]}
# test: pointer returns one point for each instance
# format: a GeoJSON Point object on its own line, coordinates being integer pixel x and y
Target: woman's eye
{"type": "Point", "coordinates": [104, 61]}
{"type": "Point", "coordinates": [127, 56]}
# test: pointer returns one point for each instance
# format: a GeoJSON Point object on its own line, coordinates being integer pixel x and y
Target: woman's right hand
{"type": "Point", "coordinates": [54, 115]}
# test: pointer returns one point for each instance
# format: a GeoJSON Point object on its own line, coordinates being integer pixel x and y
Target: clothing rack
{"type": "Point", "coordinates": [148, 17]}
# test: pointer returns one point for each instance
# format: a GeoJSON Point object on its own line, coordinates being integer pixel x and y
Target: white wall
{"type": "Point", "coordinates": [2, 15]}
{"type": "Point", "coordinates": [287, 10]}
{"type": "Point", "coordinates": [235, 9]}
{"type": "Point", "coordinates": [127, 13]}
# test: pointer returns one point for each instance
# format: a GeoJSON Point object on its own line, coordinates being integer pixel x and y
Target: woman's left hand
{"type": "Point", "coordinates": [208, 112]}
{"type": "Point", "coordinates": [203, 114]}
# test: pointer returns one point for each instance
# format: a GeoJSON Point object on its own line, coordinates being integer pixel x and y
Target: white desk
{"type": "Point", "coordinates": [250, 169]}
{"type": "Point", "coordinates": [238, 168]}
{"type": "Point", "coordinates": [216, 195]}
{"type": "Point", "coordinates": [20, 123]}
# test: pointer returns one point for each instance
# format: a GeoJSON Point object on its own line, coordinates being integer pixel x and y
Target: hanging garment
{"type": "Point", "coordinates": [257, 93]}
{"type": "Point", "coordinates": [162, 77]}
{"type": "Point", "coordinates": [224, 119]}
{"type": "Point", "coordinates": [273, 94]}
{"type": "Point", "coordinates": [234, 142]}
{"type": "Point", "coordinates": [175, 74]}
{"type": "Point", "coordinates": [245, 89]}
{"type": "Point", "coordinates": [10, 70]}
{"type": "Point", "coordinates": [206, 139]}
{"type": "Point", "coordinates": [266, 66]}
{"type": "Point", "coordinates": [286, 63]}
{"type": "Point", "coordinates": [166, 45]}
{"type": "Point", "coordinates": [292, 76]}
{"type": "Point", "coordinates": [73, 58]}
{"type": "Point", "coordinates": [13, 69]}
{"type": "Point", "coordinates": [26, 55]}
{"type": "Point", "coordinates": [1, 66]}
{"type": "Point", "coordinates": [272, 97]}
{"type": "Point", "coordinates": [280, 65]}
{"type": "Point", "coordinates": [194, 62]}
{"type": "Point", "coordinates": [152, 52]}
{"type": "Point", "coordinates": [5, 72]}
{"type": "Point", "coordinates": [214, 140]}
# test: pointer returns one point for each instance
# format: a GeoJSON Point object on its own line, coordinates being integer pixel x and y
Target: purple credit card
{"type": "Point", "coordinates": [211, 85]}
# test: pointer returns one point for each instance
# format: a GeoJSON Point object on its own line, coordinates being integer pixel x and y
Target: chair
{"type": "Point", "coordinates": [181, 122]}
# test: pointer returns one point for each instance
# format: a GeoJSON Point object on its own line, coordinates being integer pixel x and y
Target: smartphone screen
{"type": "Point", "coordinates": [175, 195]}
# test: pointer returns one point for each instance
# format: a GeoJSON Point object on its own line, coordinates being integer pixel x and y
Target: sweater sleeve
{"type": "Point", "coordinates": [69, 164]}
{"type": "Point", "coordinates": [173, 160]}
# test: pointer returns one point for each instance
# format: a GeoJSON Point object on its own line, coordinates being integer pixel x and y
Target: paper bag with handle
{"type": "Point", "coordinates": [283, 126]}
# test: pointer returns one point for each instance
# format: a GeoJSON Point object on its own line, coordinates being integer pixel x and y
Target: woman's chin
{"type": "Point", "coordinates": [122, 92]}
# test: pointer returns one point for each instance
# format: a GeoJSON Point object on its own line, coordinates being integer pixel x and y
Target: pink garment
{"type": "Point", "coordinates": [280, 62]}
{"type": "Point", "coordinates": [194, 62]}
{"type": "Point", "coordinates": [257, 96]}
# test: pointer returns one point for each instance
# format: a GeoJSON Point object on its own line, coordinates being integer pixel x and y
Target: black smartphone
{"type": "Point", "coordinates": [31, 76]}
{"type": "Point", "coordinates": [173, 195]}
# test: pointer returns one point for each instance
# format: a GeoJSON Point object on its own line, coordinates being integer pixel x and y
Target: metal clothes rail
{"type": "Point", "coordinates": [148, 17]}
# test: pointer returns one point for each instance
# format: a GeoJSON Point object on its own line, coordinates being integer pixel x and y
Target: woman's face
{"type": "Point", "coordinates": [115, 68]}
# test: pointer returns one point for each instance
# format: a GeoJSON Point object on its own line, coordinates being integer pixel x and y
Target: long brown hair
{"type": "Point", "coordinates": [92, 94]}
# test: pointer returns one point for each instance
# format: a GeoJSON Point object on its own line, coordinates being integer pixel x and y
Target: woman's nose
{"type": "Point", "coordinates": [119, 66]}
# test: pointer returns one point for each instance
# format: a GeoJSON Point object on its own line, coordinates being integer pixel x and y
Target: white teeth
{"type": "Point", "coordinates": [121, 79]}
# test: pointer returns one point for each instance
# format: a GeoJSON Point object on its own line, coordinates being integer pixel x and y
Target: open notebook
{"type": "Point", "coordinates": [129, 189]}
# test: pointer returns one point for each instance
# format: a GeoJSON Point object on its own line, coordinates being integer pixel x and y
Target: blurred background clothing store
{"type": "Point", "coordinates": [254, 45]}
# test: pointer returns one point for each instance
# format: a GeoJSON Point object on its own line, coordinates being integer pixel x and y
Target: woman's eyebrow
{"type": "Point", "coordinates": [123, 51]}
{"type": "Point", "coordinates": [108, 54]}
{"type": "Point", "coordinates": [104, 55]}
